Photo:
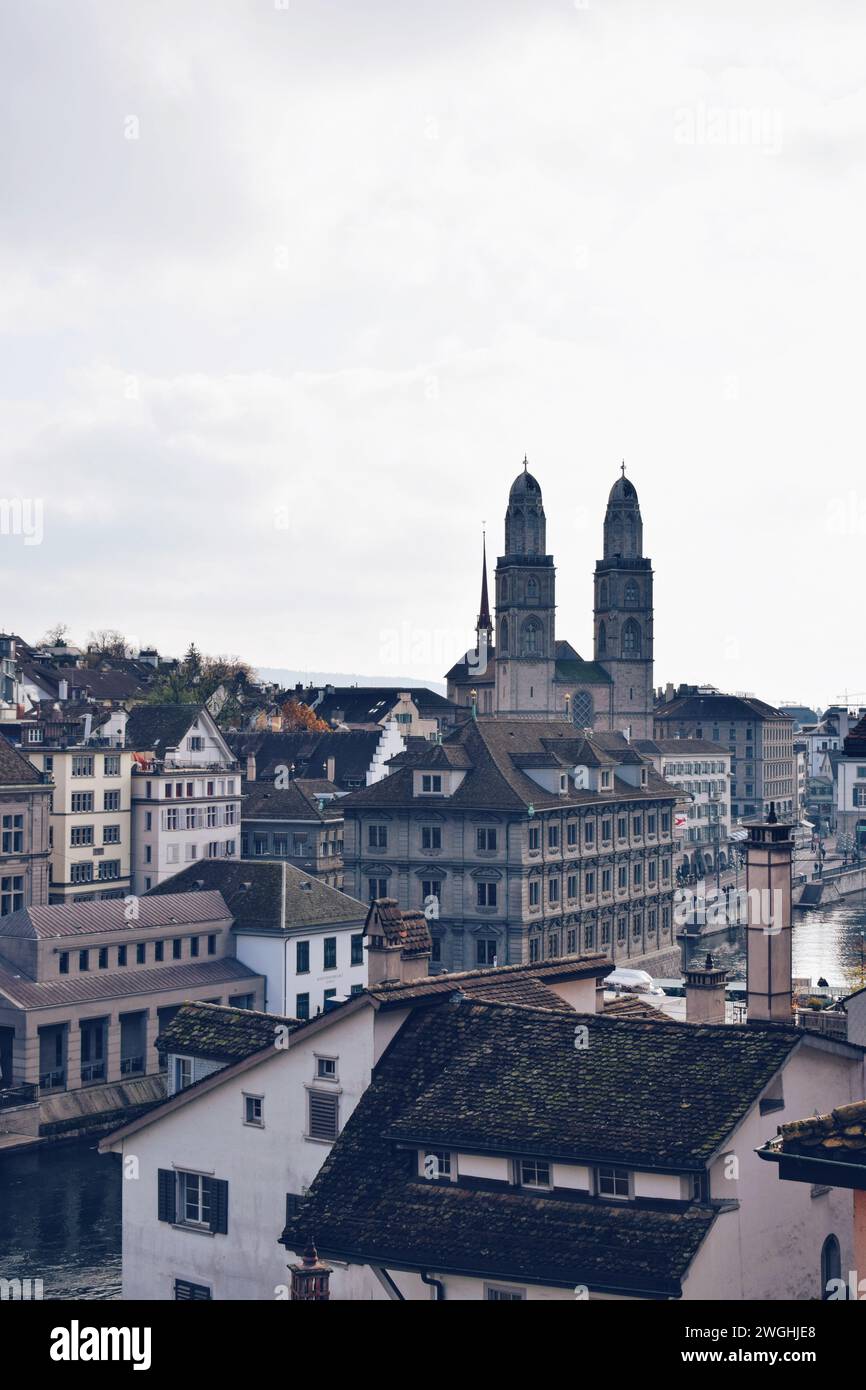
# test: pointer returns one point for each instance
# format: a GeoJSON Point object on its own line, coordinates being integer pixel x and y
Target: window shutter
{"type": "Point", "coordinates": [219, 1205]}
{"type": "Point", "coordinates": [167, 1189]}
{"type": "Point", "coordinates": [323, 1115]}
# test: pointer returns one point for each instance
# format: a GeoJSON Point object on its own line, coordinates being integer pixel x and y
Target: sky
{"type": "Point", "coordinates": [287, 291]}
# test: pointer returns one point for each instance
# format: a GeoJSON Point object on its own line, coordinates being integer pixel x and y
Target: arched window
{"type": "Point", "coordinates": [831, 1267]}
{"type": "Point", "coordinates": [503, 635]}
{"type": "Point", "coordinates": [581, 709]}
{"type": "Point", "coordinates": [532, 589]}
{"type": "Point", "coordinates": [517, 533]}
{"type": "Point", "coordinates": [603, 595]}
{"type": "Point", "coordinates": [602, 638]}
{"type": "Point", "coordinates": [631, 639]}
{"type": "Point", "coordinates": [531, 637]}
{"type": "Point", "coordinates": [503, 592]}
{"type": "Point", "coordinates": [631, 594]}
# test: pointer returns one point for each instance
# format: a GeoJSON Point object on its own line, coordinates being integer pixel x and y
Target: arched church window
{"type": "Point", "coordinates": [503, 635]}
{"type": "Point", "coordinates": [831, 1266]}
{"type": "Point", "coordinates": [531, 643]}
{"type": "Point", "coordinates": [581, 709]}
{"type": "Point", "coordinates": [603, 595]}
{"type": "Point", "coordinates": [517, 533]}
{"type": "Point", "coordinates": [631, 594]}
{"type": "Point", "coordinates": [631, 639]}
{"type": "Point", "coordinates": [503, 592]}
{"type": "Point", "coordinates": [602, 638]}
{"type": "Point", "coordinates": [531, 531]}
{"type": "Point", "coordinates": [616, 536]}
{"type": "Point", "coordinates": [532, 589]}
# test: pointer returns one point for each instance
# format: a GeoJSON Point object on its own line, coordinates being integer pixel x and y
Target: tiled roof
{"type": "Point", "coordinates": [109, 915]}
{"type": "Point", "coordinates": [717, 707]}
{"type": "Point", "coordinates": [407, 929]}
{"type": "Point", "coordinates": [265, 896]}
{"type": "Point", "coordinates": [497, 751]}
{"type": "Point", "coordinates": [367, 704]}
{"type": "Point", "coordinates": [490, 981]}
{"type": "Point", "coordinates": [632, 1006]}
{"type": "Point", "coordinates": [263, 800]}
{"type": "Point", "coordinates": [685, 747]}
{"type": "Point", "coordinates": [221, 1033]}
{"type": "Point", "coordinates": [352, 752]}
{"type": "Point", "coordinates": [586, 672]}
{"type": "Point", "coordinates": [119, 984]}
{"type": "Point", "coordinates": [15, 769]}
{"type": "Point", "coordinates": [840, 1135]}
{"type": "Point", "coordinates": [528, 1087]}
{"type": "Point", "coordinates": [367, 1205]}
{"type": "Point", "coordinates": [155, 728]}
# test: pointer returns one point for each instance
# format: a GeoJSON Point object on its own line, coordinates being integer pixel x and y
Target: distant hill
{"type": "Point", "coordinates": [287, 678]}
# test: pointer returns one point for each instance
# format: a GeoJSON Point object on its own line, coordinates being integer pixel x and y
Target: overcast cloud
{"type": "Point", "coordinates": [286, 293]}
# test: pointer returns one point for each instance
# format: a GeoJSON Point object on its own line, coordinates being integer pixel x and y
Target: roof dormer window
{"type": "Point", "coordinates": [431, 783]}
{"type": "Point", "coordinates": [605, 781]}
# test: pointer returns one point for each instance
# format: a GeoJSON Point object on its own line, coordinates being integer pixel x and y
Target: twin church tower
{"type": "Point", "coordinates": [525, 671]}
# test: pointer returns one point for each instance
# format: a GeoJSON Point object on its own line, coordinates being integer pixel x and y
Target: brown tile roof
{"type": "Point", "coordinates": [15, 769]}
{"type": "Point", "coordinates": [631, 1006]}
{"type": "Point", "coordinates": [406, 929]}
{"type": "Point", "coordinates": [119, 984]}
{"type": "Point", "coordinates": [264, 800]}
{"type": "Point", "coordinates": [840, 1135]}
{"type": "Point", "coordinates": [109, 915]}
{"type": "Point", "coordinates": [497, 751]}
{"type": "Point", "coordinates": [220, 1032]}
{"type": "Point", "coordinates": [266, 896]}
{"type": "Point", "coordinates": [488, 982]}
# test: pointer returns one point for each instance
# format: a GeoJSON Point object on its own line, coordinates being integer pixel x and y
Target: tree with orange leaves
{"type": "Point", "coordinates": [299, 717]}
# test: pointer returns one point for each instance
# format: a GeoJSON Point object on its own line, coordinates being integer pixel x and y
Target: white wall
{"type": "Point", "coordinates": [275, 957]}
{"type": "Point", "coordinates": [207, 1134]}
{"type": "Point", "coordinates": [770, 1247]}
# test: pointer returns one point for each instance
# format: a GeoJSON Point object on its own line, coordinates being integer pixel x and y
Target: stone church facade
{"type": "Point", "coordinates": [525, 672]}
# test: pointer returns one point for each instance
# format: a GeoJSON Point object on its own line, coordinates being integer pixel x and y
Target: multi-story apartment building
{"type": "Point", "coordinates": [298, 822]}
{"type": "Point", "coordinates": [85, 987]}
{"type": "Point", "coordinates": [90, 816]}
{"type": "Point", "coordinates": [25, 800]}
{"type": "Point", "coordinates": [851, 791]}
{"type": "Point", "coordinates": [522, 840]}
{"type": "Point", "coordinates": [186, 792]}
{"type": "Point", "coordinates": [702, 771]}
{"type": "Point", "coordinates": [758, 737]}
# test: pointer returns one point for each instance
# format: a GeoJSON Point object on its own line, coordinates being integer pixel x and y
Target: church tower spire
{"type": "Point", "coordinates": [525, 606]}
{"type": "Point", "coordinates": [623, 612]}
{"type": "Point", "coordinates": [485, 623]}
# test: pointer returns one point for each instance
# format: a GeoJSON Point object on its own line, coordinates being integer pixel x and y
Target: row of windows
{"type": "Point", "coordinates": [214, 849]}
{"type": "Point", "coordinates": [85, 835]}
{"type": "Point", "coordinates": [487, 837]}
{"type": "Point", "coordinates": [198, 787]}
{"type": "Point", "coordinates": [594, 936]}
{"type": "Point", "coordinates": [607, 1180]}
{"type": "Point", "coordinates": [83, 765]}
{"type": "Point", "coordinates": [487, 892]}
{"type": "Point", "coordinates": [82, 802]}
{"type": "Point", "coordinates": [278, 845]}
{"type": "Point", "coordinates": [194, 817]}
{"type": "Point", "coordinates": [136, 953]}
{"type": "Point", "coordinates": [329, 953]}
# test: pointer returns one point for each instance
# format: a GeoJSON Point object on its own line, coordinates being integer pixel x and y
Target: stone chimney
{"type": "Point", "coordinates": [310, 1278]}
{"type": "Point", "coordinates": [331, 768]}
{"type": "Point", "coordinates": [63, 690]}
{"type": "Point", "coordinates": [769, 852]}
{"type": "Point", "coordinates": [251, 767]}
{"type": "Point", "coordinates": [398, 943]}
{"type": "Point", "coordinates": [705, 992]}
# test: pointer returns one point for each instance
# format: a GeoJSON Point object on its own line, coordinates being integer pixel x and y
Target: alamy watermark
{"type": "Point", "coordinates": [23, 516]}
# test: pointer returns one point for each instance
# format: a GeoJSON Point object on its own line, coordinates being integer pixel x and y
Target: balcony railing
{"type": "Point", "coordinates": [25, 1094]}
{"type": "Point", "coordinates": [131, 1066]}
{"type": "Point", "coordinates": [92, 1071]}
{"type": "Point", "coordinates": [53, 1080]}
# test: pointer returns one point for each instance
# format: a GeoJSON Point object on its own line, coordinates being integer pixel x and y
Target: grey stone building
{"type": "Point", "coordinates": [526, 671]}
{"type": "Point", "coordinates": [522, 840]}
{"type": "Point", "coordinates": [25, 816]}
{"type": "Point", "coordinates": [759, 738]}
{"type": "Point", "coordinates": [300, 823]}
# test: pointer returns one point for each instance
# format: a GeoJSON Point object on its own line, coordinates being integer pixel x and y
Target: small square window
{"type": "Point", "coordinates": [326, 1068]}
{"type": "Point", "coordinates": [613, 1182]}
{"type": "Point", "coordinates": [534, 1173]}
{"type": "Point", "coordinates": [254, 1111]}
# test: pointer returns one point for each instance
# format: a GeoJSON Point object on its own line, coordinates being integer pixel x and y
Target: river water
{"type": "Point", "coordinates": [60, 1204]}
{"type": "Point", "coordinates": [60, 1219]}
{"type": "Point", "coordinates": [828, 942]}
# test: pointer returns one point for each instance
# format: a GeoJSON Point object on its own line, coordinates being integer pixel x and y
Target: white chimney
{"type": "Point", "coordinates": [63, 690]}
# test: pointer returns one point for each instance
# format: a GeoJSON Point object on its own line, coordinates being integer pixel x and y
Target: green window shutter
{"type": "Point", "coordinates": [167, 1199]}
{"type": "Point", "coordinates": [219, 1206]}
